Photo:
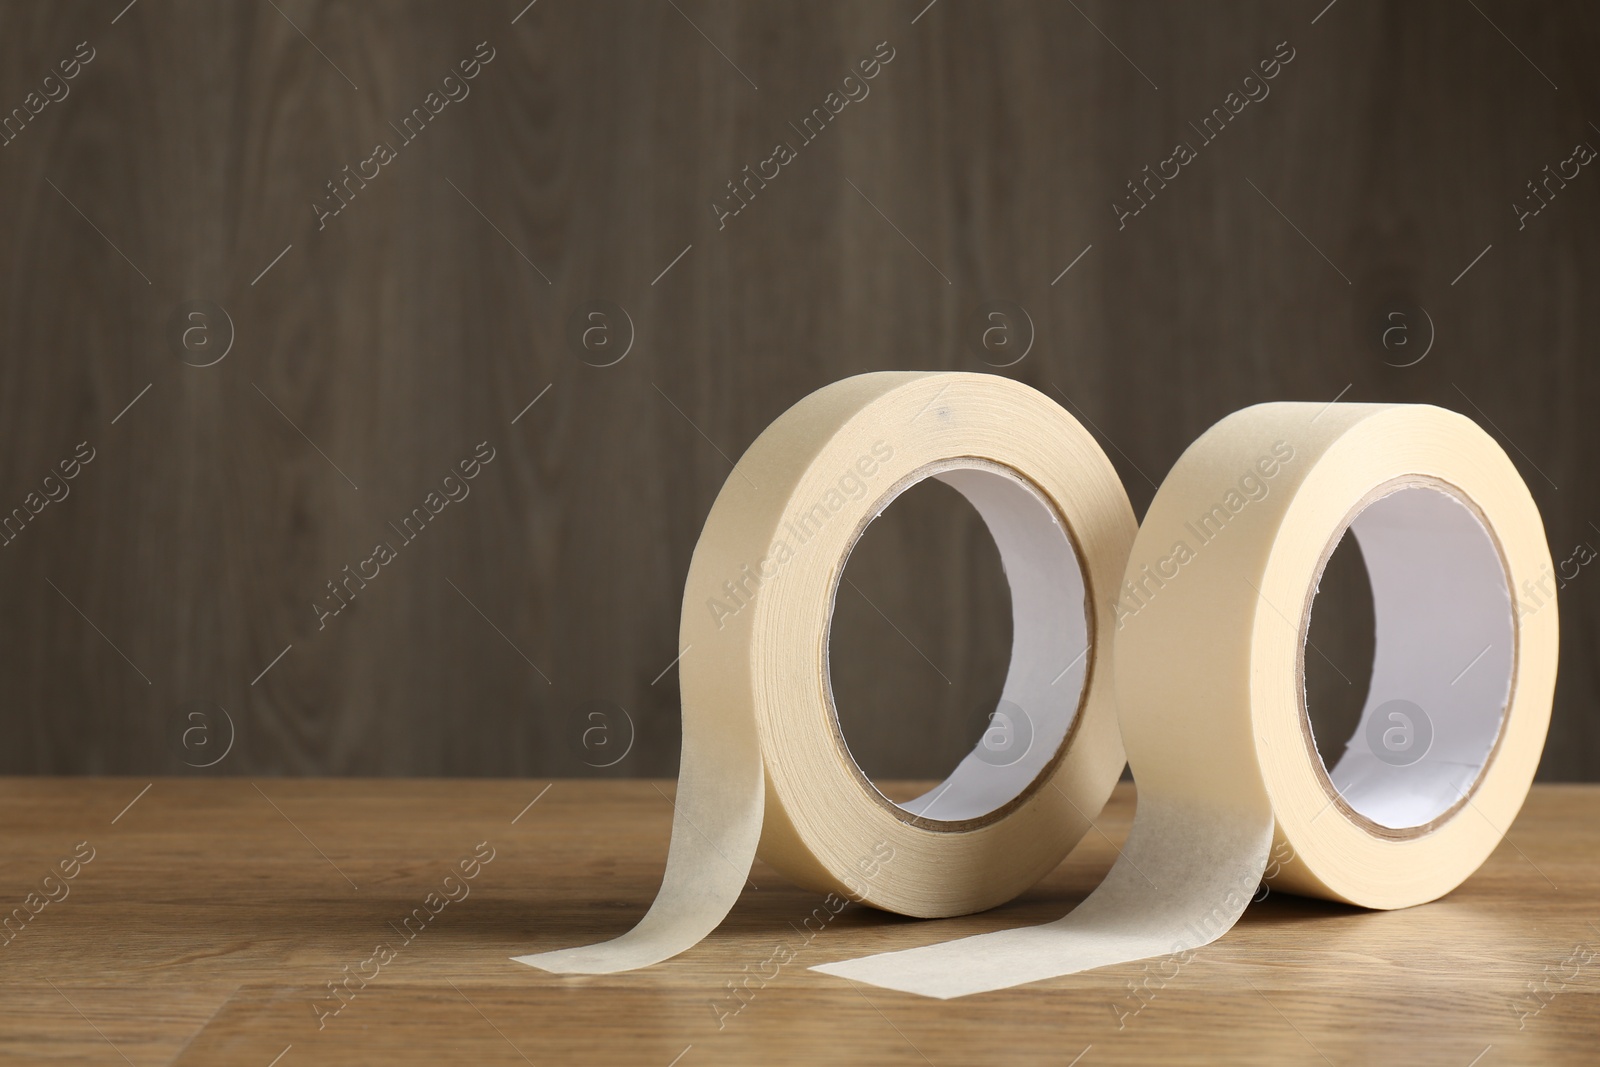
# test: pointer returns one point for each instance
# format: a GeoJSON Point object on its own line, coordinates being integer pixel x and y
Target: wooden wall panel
{"type": "Point", "coordinates": [383, 347]}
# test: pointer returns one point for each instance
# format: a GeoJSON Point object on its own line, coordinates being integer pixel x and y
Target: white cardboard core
{"type": "Point", "coordinates": [1442, 664]}
{"type": "Point", "coordinates": [1049, 646]}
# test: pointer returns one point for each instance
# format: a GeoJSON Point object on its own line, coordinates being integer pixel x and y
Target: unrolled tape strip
{"type": "Point", "coordinates": [764, 764]}
{"type": "Point", "coordinates": [1210, 639]}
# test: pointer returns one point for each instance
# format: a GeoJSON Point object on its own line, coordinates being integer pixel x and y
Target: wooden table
{"type": "Point", "coordinates": [215, 912]}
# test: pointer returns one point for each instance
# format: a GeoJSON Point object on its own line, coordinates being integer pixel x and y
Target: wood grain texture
{"type": "Point", "coordinates": [212, 917]}
{"type": "Point", "coordinates": [424, 317]}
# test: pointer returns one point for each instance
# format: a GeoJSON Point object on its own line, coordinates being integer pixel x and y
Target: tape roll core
{"type": "Point", "coordinates": [1052, 623]}
{"type": "Point", "coordinates": [1441, 598]}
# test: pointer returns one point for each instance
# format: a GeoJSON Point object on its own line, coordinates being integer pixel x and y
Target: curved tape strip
{"type": "Point", "coordinates": [763, 759]}
{"type": "Point", "coordinates": [1210, 654]}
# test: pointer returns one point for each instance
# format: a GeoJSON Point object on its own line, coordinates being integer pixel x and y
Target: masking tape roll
{"type": "Point", "coordinates": [764, 762]}
{"type": "Point", "coordinates": [1211, 625]}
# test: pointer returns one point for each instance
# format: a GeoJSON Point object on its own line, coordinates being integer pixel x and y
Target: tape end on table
{"type": "Point", "coordinates": [533, 961]}
{"type": "Point", "coordinates": [565, 962]}
{"type": "Point", "coordinates": [843, 969]}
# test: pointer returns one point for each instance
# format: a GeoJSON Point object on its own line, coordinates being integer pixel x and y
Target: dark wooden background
{"type": "Point", "coordinates": [427, 315]}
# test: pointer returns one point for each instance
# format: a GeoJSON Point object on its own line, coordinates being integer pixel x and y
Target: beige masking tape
{"type": "Point", "coordinates": [1210, 651]}
{"type": "Point", "coordinates": [765, 767]}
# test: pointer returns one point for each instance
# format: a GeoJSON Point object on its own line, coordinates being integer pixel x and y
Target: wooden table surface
{"type": "Point", "coordinates": [214, 913]}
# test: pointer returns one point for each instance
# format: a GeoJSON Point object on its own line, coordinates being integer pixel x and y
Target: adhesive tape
{"type": "Point", "coordinates": [1211, 625]}
{"type": "Point", "coordinates": [764, 762]}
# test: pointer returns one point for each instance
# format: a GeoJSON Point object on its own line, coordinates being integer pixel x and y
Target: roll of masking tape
{"type": "Point", "coordinates": [764, 764]}
{"type": "Point", "coordinates": [1211, 645]}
